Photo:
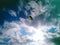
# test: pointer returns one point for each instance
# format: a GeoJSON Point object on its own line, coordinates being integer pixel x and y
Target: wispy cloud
{"type": "Point", "coordinates": [27, 32]}
{"type": "Point", "coordinates": [12, 13]}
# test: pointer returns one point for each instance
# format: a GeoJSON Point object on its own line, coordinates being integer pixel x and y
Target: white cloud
{"type": "Point", "coordinates": [37, 9]}
{"type": "Point", "coordinates": [39, 32]}
{"type": "Point", "coordinates": [16, 36]}
{"type": "Point", "coordinates": [12, 13]}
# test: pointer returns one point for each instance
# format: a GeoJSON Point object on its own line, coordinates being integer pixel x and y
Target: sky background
{"type": "Point", "coordinates": [16, 27]}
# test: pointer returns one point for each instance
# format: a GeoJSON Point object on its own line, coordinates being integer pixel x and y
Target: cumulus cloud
{"type": "Point", "coordinates": [27, 32]}
{"type": "Point", "coordinates": [14, 32]}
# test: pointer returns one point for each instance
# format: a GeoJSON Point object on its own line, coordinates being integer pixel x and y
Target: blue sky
{"type": "Point", "coordinates": [17, 28]}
